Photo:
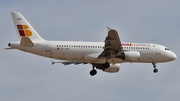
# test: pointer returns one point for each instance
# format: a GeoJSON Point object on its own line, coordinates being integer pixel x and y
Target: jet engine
{"type": "Point", "coordinates": [113, 68]}
{"type": "Point", "coordinates": [131, 56]}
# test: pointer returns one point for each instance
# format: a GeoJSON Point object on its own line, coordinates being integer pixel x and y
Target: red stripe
{"type": "Point", "coordinates": [21, 33]}
{"type": "Point", "coordinates": [19, 27]}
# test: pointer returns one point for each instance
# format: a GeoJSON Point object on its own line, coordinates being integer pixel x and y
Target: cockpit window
{"type": "Point", "coordinates": [166, 48]}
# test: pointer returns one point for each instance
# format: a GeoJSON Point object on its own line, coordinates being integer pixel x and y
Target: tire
{"type": "Point", "coordinates": [93, 72]}
{"type": "Point", "coordinates": [155, 70]}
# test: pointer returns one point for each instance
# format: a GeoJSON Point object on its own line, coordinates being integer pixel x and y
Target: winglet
{"type": "Point", "coordinates": [52, 62]}
{"type": "Point", "coordinates": [108, 28]}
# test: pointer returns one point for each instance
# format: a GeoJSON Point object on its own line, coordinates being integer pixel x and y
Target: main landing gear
{"type": "Point", "coordinates": [104, 66]}
{"type": "Point", "coordinates": [93, 71]}
{"type": "Point", "coordinates": [155, 69]}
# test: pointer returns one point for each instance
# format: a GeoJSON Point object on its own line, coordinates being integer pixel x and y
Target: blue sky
{"type": "Point", "coordinates": [27, 77]}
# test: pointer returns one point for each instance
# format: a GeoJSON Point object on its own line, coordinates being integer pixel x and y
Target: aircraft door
{"type": "Point", "coordinates": [47, 46]}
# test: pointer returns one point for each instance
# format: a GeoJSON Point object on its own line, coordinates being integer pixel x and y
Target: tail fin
{"type": "Point", "coordinates": [23, 28]}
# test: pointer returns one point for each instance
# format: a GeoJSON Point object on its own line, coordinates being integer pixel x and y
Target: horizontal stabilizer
{"type": "Point", "coordinates": [8, 48]}
{"type": "Point", "coordinates": [69, 62]}
{"type": "Point", "coordinates": [25, 41]}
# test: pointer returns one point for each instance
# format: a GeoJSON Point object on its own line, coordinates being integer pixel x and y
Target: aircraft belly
{"type": "Point", "coordinates": [148, 57]}
{"type": "Point", "coordinates": [103, 60]}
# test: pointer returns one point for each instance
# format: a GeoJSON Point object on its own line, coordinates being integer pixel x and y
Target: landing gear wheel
{"type": "Point", "coordinates": [106, 65]}
{"type": "Point", "coordinates": [93, 72]}
{"type": "Point", "coordinates": [155, 70]}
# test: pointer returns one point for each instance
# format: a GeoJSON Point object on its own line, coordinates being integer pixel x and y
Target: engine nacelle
{"type": "Point", "coordinates": [132, 56]}
{"type": "Point", "coordinates": [113, 68]}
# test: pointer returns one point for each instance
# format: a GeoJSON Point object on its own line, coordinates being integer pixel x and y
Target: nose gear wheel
{"type": "Point", "coordinates": [155, 69]}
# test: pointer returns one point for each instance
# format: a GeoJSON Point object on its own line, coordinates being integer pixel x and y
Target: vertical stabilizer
{"type": "Point", "coordinates": [23, 28]}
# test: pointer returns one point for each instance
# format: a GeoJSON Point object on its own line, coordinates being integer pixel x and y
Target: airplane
{"type": "Point", "coordinates": [105, 56]}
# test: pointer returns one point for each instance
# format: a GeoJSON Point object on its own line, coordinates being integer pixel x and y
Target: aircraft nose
{"type": "Point", "coordinates": [173, 56]}
{"type": "Point", "coordinates": [170, 56]}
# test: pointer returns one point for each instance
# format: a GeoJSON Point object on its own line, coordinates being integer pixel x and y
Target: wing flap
{"type": "Point", "coordinates": [113, 39]}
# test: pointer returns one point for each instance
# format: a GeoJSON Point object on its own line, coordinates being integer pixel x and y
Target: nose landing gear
{"type": "Point", "coordinates": [155, 69]}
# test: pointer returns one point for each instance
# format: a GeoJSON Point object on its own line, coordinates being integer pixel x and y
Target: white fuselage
{"type": "Point", "coordinates": [88, 52]}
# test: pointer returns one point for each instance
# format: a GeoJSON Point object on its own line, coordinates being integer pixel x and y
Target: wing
{"type": "Point", "coordinates": [112, 44]}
